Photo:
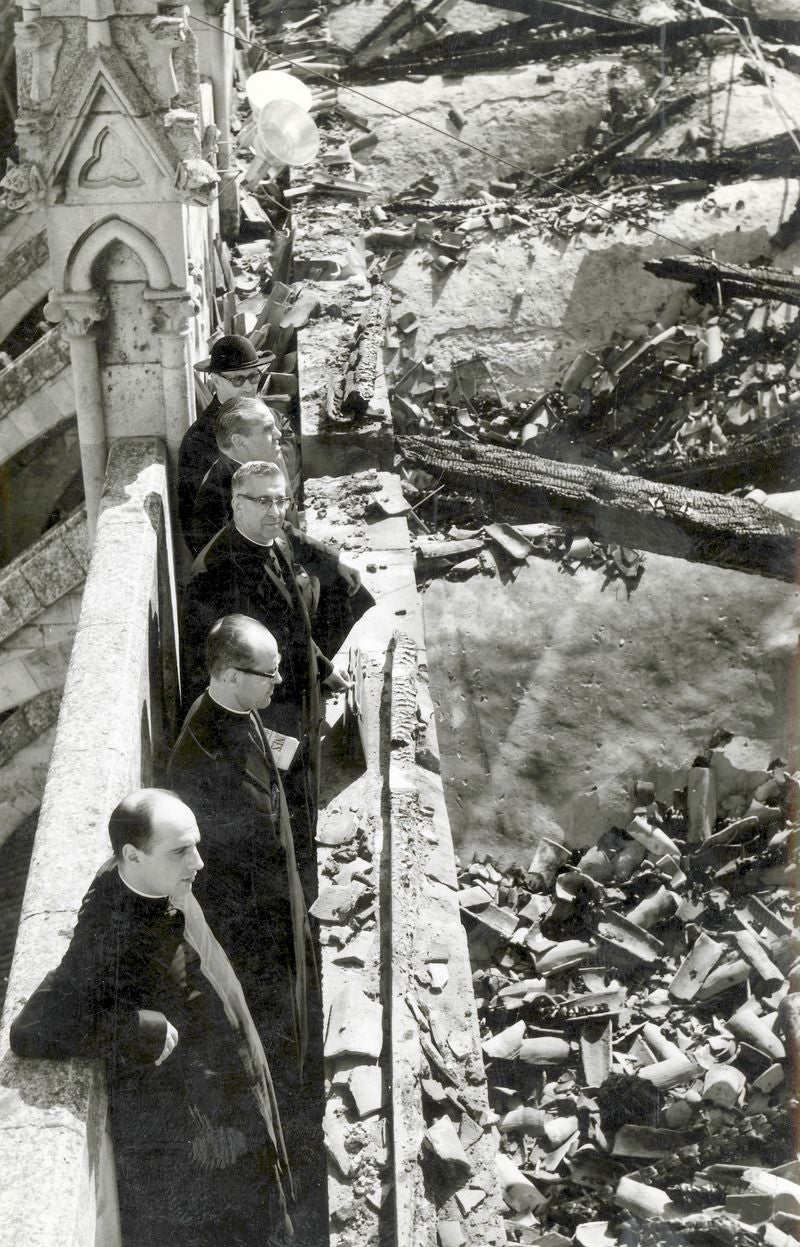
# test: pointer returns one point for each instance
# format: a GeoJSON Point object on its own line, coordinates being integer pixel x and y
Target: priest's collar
{"type": "Point", "coordinates": [148, 896]}
{"type": "Point", "coordinates": [244, 713]}
{"type": "Point", "coordinates": [265, 545]}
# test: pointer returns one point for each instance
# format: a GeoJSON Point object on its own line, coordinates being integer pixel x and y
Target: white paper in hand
{"type": "Point", "coordinates": [283, 748]}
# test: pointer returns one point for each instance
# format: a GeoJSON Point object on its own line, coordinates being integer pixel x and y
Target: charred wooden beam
{"type": "Point", "coordinates": [421, 25]}
{"type": "Point", "coordinates": [458, 53]}
{"type": "Point", "coordinates": [713, 169]}
{"type": "Point", "coordinates": [362, 367]}
{"type": "Point", "coordinates": [394, 17]}
{"type": "Point", "coordinates": [713, 278]}
{"type": "Point", "coordinates": [571, 16]}
{"type": "Point", "coordinates": [610, 507]}
{"type": "Point", "coordinates": [567, 176]}
{"type": "Point", "coordinates": [754, 342]}
{"type": "Point", "coordinates": [438, 206]}
{"type": "Point", "coordinates": [788, 231]}
{"type": "Point", "coordinates": [767, 460]}
{"type": "Point", "coordinates": [467, 40]}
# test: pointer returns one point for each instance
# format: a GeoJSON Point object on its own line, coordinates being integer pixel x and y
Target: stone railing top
{"type": "Point", "coordinates": [52, 566]}
{"type": "Point", "coordinates": [51, 1144]}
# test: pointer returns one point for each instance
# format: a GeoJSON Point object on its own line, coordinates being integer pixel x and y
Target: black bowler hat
{"type": "Point", "coordinates": [234, 354]}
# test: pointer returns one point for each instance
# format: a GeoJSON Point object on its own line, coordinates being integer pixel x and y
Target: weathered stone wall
{"type": "Point", "coordinates": [411, 947]}
{"type": "Point", "coordinates": [117, 714]}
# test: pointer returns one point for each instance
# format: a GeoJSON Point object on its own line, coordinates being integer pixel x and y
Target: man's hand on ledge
{"type": "Point", "coordinates": [338, 681]}
{"type": "Point", "coordinates": [350, 575]}
{"type": "Point", "coordinates": [169, 1043]}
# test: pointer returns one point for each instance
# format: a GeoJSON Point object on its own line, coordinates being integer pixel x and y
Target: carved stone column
{"type": "Point", "coordinates": [78, 313]}
{"type": "Point", "coordinates": [216, 54]}
{"type": "Point", "coordinates": [173, 313]}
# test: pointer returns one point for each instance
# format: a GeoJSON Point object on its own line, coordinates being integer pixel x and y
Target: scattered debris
{"type": "Point", "coordinates": [354, 1025]}
{"type": "Point", "coordinates": [636, 1070]}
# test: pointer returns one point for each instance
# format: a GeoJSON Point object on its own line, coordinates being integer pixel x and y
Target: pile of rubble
{"type": "Point", "coordinates": [633, 998]}
{"type": "Point", "coordinates": [710, 399]}
{"type": "Point", "coordinates": [502, 549]}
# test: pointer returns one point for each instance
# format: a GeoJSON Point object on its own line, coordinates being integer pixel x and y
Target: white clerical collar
{"type": "Point", "coordinates": [148, 896]}
{"type": "Point", "coordinates": [264, 544]}
{"type": "Point", "coordinates": [222, 705]}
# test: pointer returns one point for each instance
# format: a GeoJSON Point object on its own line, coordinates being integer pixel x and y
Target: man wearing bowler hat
{"type": "Point", "coordinates": [234, 369]}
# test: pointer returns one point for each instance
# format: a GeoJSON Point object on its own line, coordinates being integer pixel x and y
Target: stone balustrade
{"type": "Point", "coordinates": [35, 393]}
{"type": "Point", "coordinates": [117, 715]}
{"type": "Point", "coordinates": [25, 277]}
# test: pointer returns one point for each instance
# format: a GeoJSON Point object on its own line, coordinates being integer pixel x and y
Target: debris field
{"type": "Point", "coordinates": [637, 1001]}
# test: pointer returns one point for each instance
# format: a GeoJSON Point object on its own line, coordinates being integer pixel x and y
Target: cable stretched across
{"type": "Point", "coordinates": [612, 213]}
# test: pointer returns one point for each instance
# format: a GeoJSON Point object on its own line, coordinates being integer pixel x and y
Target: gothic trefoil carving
{"type": "Point", "coordinates": [108, 165]}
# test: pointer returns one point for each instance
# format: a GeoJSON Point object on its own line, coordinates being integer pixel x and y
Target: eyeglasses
{"type": "Point", "coordinates": [265, 675]}
{"type": "Point", "coordinates": [238, 379]}
{"type": "Point", "coordinates": [265, 502]}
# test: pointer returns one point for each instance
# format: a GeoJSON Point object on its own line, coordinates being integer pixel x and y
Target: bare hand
{"type": "Point", "coordinates": [338, 681]}
{"type": "Point", "coordinates": [169, 1043]}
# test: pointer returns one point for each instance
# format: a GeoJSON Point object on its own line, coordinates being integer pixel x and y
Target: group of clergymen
{"type": "Point", "coordinates": [194, 976]}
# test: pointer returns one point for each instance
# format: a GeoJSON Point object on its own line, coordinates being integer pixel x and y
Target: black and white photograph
{"type": "Point", "coordinates": [399, 623]}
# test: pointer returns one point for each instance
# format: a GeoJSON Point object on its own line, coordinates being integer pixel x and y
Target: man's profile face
{"type": "Point", "coordinates": [243, 383]}
{"type": "Point", "coordinates": [168, 865]}
{"type": "Point", "coordinates": [256, 680]}
{"type": "Point", "coordinates": [261, 441]}
{"type": "Point", "coordinates": [259, 507]}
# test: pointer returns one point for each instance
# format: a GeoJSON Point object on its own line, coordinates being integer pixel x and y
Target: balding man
{"type": "Point", "coordinates": [145, 985]}
{"type": "Point", "coordinates": [260, 566]}
{"type": "Point", "coordinates": [222, 765]}
{"type": "Point", "coordinates": [245, 429]}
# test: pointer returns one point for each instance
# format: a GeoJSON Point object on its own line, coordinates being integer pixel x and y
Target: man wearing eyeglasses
{"type": "Point", "coordinates": [234, 369]}
{"type": "Point", "coordinates": [223, 764]}
{"type": "Point", "coordinates": [246, 429]}
{"type": "Point", "coordinates": [251, 891]}
{"type": "Point", "coordinates": [262, 567]}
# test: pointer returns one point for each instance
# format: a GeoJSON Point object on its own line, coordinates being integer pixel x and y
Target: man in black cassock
{"type": "Point", "coordinates": [234, 369]}
{"type": "Point", "coordinates": [245, 429]}
{"type": "Point", "coordinates": [144, 984]}
{"type": "Point", "coordinates": [223, 767]}
{"type": "Point", "coordinates": [303, 593]}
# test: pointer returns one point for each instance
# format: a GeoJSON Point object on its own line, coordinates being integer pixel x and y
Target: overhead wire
{"type": "Point", "coordinates": [751, 46]}
{"type": "Point", "coordinates": [579, 196]}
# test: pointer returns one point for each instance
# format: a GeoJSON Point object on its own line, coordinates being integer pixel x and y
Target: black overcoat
{"type": "Point", "coordinates": [250, 890]}
{"type": "Point", "coordinates": [127, 969]}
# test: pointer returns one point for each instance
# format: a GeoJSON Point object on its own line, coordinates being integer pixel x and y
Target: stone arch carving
{"type": "Point", "coordinates": [77, 273]}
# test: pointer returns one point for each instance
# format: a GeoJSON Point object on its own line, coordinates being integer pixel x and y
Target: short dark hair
{"type": "Point", "coordinates": [229, 643]}
{"type": "Point", "coordinates": [131, 822]}
{"type": "Point", "coordinates": [238, 415]}
{"type": "Point", "coordinates": [256, 467]}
